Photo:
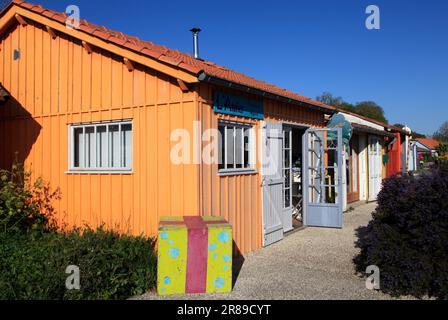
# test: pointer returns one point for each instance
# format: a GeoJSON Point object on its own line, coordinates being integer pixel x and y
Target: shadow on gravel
{"type": "Point", "coordinates": [362, 234]}
{"type": "Point", "coordinates": [237, 263]}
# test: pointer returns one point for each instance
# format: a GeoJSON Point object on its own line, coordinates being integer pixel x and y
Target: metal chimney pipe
{"type": "Point", "coordinates": [195, 32]}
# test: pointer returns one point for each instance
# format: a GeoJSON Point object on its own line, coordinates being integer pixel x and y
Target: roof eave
{"type": "Point", "coordinates": [7, 18]}
{"type": "Point", "coordinates": [365, 129]}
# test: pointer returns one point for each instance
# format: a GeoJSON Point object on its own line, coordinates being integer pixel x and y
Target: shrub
{"type": "Point", "coordinates": [408, 236]}
{"type": "Point", "coordinates": [34, 257]}
{"type": "Point", "coordinates": [112, 266]}
{"type": "Point", "coordinates": [25, 206]}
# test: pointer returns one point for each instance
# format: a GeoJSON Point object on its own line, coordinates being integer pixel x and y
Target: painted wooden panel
{"type": "Point", "coordinates": [195, 255]}
{"type": "Point", "coordinates": [172, 259]}
{"type": "Point", "coordinates": [278, 111]}
{"type": "Point", "coordinates": [56, 83]}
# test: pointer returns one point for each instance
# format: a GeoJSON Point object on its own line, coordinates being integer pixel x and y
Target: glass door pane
{"type": "Point", "coordinates": [102, 147]}
{"type": "Point", "coordinates": [314, 168]}
{"type": "Point", "coordinates": [78, 159]}
{"type": "Point", "coordinates": [287, 167]}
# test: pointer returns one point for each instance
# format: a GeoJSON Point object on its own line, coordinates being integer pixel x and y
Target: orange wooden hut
{"type": "Point", "coordinates": [98, 113]}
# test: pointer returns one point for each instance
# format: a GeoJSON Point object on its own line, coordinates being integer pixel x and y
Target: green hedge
{"type": "Point", "coordinates": [25, 205]}
{"type": "Point", "coordinates": [112, 266]}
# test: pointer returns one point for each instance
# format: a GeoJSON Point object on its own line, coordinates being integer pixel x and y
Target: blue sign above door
{"type": "Point", "coordinates": [237, 106]}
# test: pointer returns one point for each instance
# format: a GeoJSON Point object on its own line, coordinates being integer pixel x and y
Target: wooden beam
{"type": "Point", "coordinates": [21, 20]}
{"type": "Point", "coordinates": [183, 86]}
{"type": "Point", "coordinates": [129, 64]}
{"type": "Point", "coordinates": [88, 47]}
{"type": "Point", "coordinates": [52, 33]}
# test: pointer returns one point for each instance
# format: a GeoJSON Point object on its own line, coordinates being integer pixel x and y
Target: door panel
{"type": "Point", "coordinates": [363, 168]}
{"type": "Point", "coordinates": [322, 190]}
{"type": "Point", "coordinates": [272, 182]}
{"type": "Point", "coordinates": [353, 171]}
{"type": "Point", "coordinates": [375, 167]}
{"type": "Point", "coordinates": [287, 179]}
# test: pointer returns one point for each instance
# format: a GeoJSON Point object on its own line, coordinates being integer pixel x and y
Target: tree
{"type": "Point", "coordinates": [368, 109]}
{"type": "Point", "coordinates": [348, 106]}
{"type": "Point", "coordinates": [442, 134]}
{"type": "Point", "coordinates": [442, 150]}
{"type": "Point", "coordinates": [337, 102]}
{"type": "Point", "coordinates": [329, 99]}
{"type": "Point", "coordinates": [371, 110]}
{"type": "Point", "coordinates": [415, 134]}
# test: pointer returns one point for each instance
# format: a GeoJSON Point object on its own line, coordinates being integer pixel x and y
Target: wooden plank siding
{"type": "Point", "coordinates": [56, 82]}
{"type": "Point", "coordinates": [239, 197]}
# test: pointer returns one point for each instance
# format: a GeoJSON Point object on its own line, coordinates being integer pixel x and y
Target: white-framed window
{"type": "Point", "coordinates": [236, 147]}
{"type": "Point", "coordinates": [103, 147]}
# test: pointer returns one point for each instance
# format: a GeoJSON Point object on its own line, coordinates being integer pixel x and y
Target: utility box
{"type": "Point", "coordinates": [194, 255]}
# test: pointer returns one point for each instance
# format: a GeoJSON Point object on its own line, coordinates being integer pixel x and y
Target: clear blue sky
{"type": "Point", "coordinates": [307, 46]}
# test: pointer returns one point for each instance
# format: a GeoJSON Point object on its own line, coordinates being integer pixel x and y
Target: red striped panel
{"type": "Point", "coordinates": [197, 255]}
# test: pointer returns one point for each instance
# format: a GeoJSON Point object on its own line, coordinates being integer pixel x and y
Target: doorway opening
{"type": "Point", "coordinates": [292, 175]}
{"type": "Point", "coordinates": [352, 170]}
{"type": "Point", "coordinates": [323, 188]}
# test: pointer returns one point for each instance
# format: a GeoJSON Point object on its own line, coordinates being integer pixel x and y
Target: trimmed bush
{"type": "Point", "coordinates": [25, 206]}
{"type": "Point", "coordinates": [112, 266]}
{"type": "Point", "coordinates": [408, 236]}
{"type": "Point", "coordinates": [34, 257]}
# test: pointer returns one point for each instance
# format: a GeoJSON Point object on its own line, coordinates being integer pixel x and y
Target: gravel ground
{"type": "Point", "coordinates": [313, 263]}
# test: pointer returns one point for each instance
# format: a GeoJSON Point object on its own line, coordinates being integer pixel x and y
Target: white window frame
{"type": "Point", "coordinates": [98, 169]}
{"type": "Point", "coordinates": [231, 125]}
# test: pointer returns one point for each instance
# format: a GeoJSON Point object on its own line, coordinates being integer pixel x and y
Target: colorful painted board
{"type": "Point", "coordinates": [195, 255]}
{"type": "Point", "coordinates": [234, 105]}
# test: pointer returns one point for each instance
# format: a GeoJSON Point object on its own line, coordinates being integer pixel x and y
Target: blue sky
{"type": "Point", "coordinates": [307, 46]}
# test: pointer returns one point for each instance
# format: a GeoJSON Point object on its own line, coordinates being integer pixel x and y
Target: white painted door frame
{"type": "Point", "coordinates": [320, 211]}
{"type": "Point", "coordinates": [287, 212]}
{"type": "Point", "coordinates": [272, 181]}
{"type": "Point", "coordinates": [287, 148]}
{"type": "Point", "coordinates": [375, 167]}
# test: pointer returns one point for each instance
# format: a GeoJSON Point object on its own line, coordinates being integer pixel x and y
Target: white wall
{"type": "Point", "coordinates": [344, 178]}
{"type": "Point", "coordinates": [413, 166]}
{"type": "Point", "coordinates": [355, 119]}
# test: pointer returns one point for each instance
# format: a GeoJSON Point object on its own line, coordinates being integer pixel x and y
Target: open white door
{"type": "Point", "coordinates": [287, 179]}
{"type": "Point", "coordinates": [322, 189]}
{"type": "Point", "coordinates": [272, 182]}
{"type": "Point", "coordinates": [375, 169]}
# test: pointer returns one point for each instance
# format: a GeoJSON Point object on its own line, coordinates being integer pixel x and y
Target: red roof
{"type": "Point", "coordinates": [430, 143]}
{"type": "Point", "coordinates": [168, 56]}
{"type": "Point", "coordinates": [181, 60]}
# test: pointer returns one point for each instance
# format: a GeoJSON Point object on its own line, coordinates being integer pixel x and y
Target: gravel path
{"type": "Point", "coordinates": [314, 263]}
